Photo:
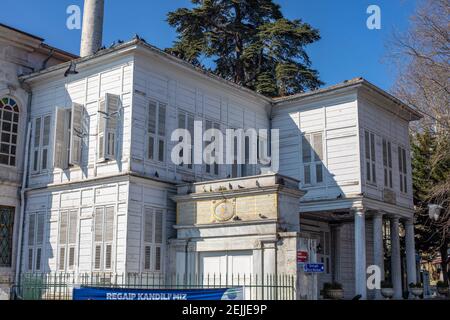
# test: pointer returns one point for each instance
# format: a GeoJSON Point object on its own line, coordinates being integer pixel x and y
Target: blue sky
{"type": "Point", "coordinates": [347, 49]}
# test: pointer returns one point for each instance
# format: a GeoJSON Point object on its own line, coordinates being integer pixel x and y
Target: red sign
{"type": "Point", "coordinates": [302, 256]}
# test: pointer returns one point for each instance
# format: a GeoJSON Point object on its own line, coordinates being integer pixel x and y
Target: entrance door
{"type": "Point", "coordinates": [227, 269]}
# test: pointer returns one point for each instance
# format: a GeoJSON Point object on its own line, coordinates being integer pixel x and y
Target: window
{"type": "Point", "coordinates": [108, 120]}
{"type": "Point", "coordinates": [312, 156]}
{"type": "Point", "coordinates": [156, 129]}
{"type": "Point", "coordinates": [67, 239]}
{"type": "Point", "coordinates": [153, 239]}
{"type": "Point", "coordinates": [41, 142]}
{"type": "Point", "coordinates": [186, 121]}
{"type": "Point", "coordinates": [214, 169]}
{"type": "Point", "coordinates": [103, 238]}
{"type": "Point", "coordinates": [35, 241]}
{"type": "Point", "coordinates": [9, 122]}
{"type": "Point", "coordinates": [402, 169]}
{"type": "Point", "coordinates": [387, 163]}
{"type": "Point", "coordinates": [369, 139]}
{"type": "Point", "coordinates": [6, 236]}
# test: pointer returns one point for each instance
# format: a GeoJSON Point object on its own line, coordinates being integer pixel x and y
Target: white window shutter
{"type": "Point", "coordinates": [101, 128]}
{"type": "Point", "coordinates": [159, 225]}
{"type": "Point", "coordinates": [76, 134]}
{"type": "Point", "coordinates": [148, 225]}
{"type": "Point", "coordinates": [109, 224]}
{"type": "Point", "coordinates": [112, 109]}
{"type": "Point", "coordinates": [40, 229]}
{"type": "Point", "coordinates": [60, 144]}
{"type": "Point", "coordinates": [73, 221]}
{"type": "Point", "coordinates": [31, 224]}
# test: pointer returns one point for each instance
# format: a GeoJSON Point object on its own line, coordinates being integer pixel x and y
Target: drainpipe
{"type": "Point", "coordinates": [23, 187]}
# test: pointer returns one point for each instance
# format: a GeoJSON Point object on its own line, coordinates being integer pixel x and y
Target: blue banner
{"type": "Point", "coordinates": [90, 293]}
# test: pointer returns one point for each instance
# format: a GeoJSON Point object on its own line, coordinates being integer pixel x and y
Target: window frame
{"type": "Point", "coordinates": [387, 164]}
{"type": "Point", "coordinates": [315, 160]}
{"type": "Point", "coordinates": [10, 236]}
{"type": "Point", "coordinates": [153, 245]}
{"type": "Point", "coordinates": [14, 123]}
{"type": "Point", "coordinates": [104, 243]}
{"type": "Point", "coordinates": [187, 114]}
{"type": "Point", "coordinates": [35, 249]}
{"type": "Point", "coordinates": [68, 245]}
{"type": "Point", "coordinates": [370, 157]}
{"type": "Point", "coordinates": [402, 169]}
{"type": "Point", "coordinates": [157, 135]}
{"type": "Point", "coordinates": [216, 168]}
{"type": "Point", "coordinates": [38, 150]}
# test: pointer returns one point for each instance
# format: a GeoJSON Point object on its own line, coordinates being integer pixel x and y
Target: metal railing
{"type": "Point", "coordinates": [59, 286]}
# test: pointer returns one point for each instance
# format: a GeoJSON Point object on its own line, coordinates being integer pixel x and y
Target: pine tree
{"type": "Point", "coordinates": [250, 43]}
{"type": "Point", "coordinates": [431, 181]}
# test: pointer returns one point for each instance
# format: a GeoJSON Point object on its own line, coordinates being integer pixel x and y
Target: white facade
{"type": "Point", "coordinates": [20, 53]}
{"type": "Point", "coordinates": [90, 203]}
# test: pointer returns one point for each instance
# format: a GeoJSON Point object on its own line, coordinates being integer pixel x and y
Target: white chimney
{"type": "Point", "coordinates": [91, 36]}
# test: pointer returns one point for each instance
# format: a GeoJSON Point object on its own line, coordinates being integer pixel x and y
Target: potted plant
{"type": "Point", "coordinates": [416, 289]}
{"type": "Point", "coordinates": [333, 290]}
{"type": "Point", "coordinates": [442, 288]}
{"type": "Point", "coordinates": [387, 289]}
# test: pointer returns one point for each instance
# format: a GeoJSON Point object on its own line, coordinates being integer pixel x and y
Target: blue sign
{"type": "Point", "coordinates": [314, 267]}
{"type": "Point", "coordinates": [90, 293]}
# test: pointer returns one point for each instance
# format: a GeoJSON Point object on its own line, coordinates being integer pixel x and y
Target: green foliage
{"type": "Point", "coordinates": [431, 168]}
{"type": "Point", "coordinates": [386, 284]}
{"type": "Point", "coordinates": [441, 284]}
{"type": "Point", "coordinates": [332, 286]}
{"type": "Point", "coordinates": [250, 42]}
{"type": "Point", "coordinates": [417, 285]}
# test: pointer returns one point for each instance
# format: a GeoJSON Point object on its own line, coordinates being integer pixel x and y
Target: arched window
{"type": "Point", "coordinates": [9, 123]}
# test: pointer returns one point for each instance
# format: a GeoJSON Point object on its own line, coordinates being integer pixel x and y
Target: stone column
{"type": "Point", "coordinates": [410, 251]}
{"type": "Point", "coordinates": [396, 269]}
{"type": "Point", "coordinates": [92, 33]}
{"type": "Point", "coordinates": [378, 250]}
{"type": "Point", "coordinates": [360, 253]}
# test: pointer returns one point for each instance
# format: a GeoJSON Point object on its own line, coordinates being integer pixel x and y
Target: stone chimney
{"type": "Point", "coordinates": [91, 37]}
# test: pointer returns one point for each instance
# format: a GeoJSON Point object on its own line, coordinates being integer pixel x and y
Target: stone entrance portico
{"type": "Point", "coordinates": [361, 221]}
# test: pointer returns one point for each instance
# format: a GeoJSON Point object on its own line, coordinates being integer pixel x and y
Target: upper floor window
{"type": "Point", "coordinates": [312, 155]}
{"type": "Point", "coordinates": [387, 163]}
{"type": "Point", "coordinates": [371, 175]}
{"type": "Point", "coordinates": [156, 129]}
{"type": "Point", "coordinates": [108, 120]}
{"type": "Point", "coordinates": [9, 118]}
{"type": "Point", "coordinates": [211, 169]}
{"type": "Point", "coordinates": [402, 169]}
{"type": "Point", "coordinates": [41, 143]}
{"type": "Point", "coordinates": [186, 121]}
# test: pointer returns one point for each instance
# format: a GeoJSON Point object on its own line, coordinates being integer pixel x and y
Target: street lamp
{"type": "Point", "coordinates": [434, 210]}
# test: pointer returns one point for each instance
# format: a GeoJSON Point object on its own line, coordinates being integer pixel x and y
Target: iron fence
{"type": "Point", "coordinates": [59, 286]}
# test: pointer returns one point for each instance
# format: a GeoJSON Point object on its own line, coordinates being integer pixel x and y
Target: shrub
{"type": "Point", "coordinates": [332, 286]}
{"type": "Point", "coordinates": [386, 284]}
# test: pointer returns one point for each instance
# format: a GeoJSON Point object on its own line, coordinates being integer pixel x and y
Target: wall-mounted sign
{"type": "Point", "coordinates": [302, 256]}
{"type": "Point", "coordinates": [314, 267]}
{"type": "Point", "coordinates": [88, 293]}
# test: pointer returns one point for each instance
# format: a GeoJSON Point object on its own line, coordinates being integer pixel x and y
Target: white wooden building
{"type": "Point", "coordinates": [101, 192]}
{"type": "Point", "coordinates": [20, 53]}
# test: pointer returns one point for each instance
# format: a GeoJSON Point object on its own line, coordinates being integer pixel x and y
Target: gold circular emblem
{"type": "Point", "coordinates": [224, 211]}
